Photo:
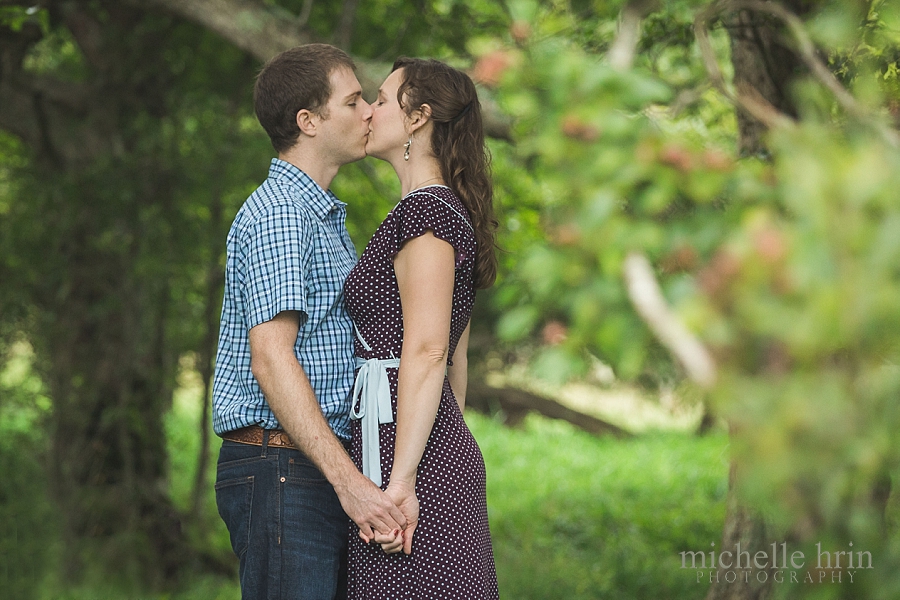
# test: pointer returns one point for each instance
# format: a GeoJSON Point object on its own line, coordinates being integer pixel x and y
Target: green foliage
{"type": "Point", "coordinates": [811, 325]}
{"type": "Point", "coordinates": [27, 519]}
{"type": "Point", "coordinates": [787, 270]}
{"type": "Point", "coordinates": [112, 265]}
{"type": "Point", "coordinates": [28, 523]}
{"type": "Point", "coordinates": [384, 30]}
{"type": "Point", "coordinates": [603, 175]}
{"type": "Point", "coordinates": [16, 17]}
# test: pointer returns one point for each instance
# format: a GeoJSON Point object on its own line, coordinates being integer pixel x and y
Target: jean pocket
{"type": "Point", "coordinates": [233, 499]}
{"type": "Point", "coordinates": [303, 470]}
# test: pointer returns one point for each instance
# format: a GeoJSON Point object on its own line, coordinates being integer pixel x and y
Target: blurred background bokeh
{"type": "Point", "coordinates": [694, 339]}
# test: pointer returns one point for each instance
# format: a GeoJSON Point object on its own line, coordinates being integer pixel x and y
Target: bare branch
{"type": "Point", "coordinates": [647, 298]}
{"type": "Point", "coordinates": [622, 51]}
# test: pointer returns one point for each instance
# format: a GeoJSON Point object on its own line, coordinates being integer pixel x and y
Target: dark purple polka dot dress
{"type": "Point", "coordinates": [451, 554]}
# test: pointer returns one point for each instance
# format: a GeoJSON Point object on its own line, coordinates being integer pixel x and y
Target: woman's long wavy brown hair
{"type": "Point", "coordinates": [458, 143]}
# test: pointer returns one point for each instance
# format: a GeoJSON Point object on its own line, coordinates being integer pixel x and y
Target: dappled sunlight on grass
{"type": "Point", "coordinates": [626, 406]}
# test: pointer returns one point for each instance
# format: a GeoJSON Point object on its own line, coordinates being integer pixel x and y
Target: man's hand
{"type": "Point", "coordinates": [371, 509]}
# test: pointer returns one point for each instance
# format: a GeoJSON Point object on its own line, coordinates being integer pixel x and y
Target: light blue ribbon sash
{"type": "Point", "coordinates": [373, 392]}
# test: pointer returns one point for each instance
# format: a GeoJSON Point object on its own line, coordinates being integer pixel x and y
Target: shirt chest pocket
{"type": "Point", "coordinates": [330, 266]}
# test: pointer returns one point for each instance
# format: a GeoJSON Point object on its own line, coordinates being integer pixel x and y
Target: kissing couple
{"type": "Point", "coordinates": [346, 468]}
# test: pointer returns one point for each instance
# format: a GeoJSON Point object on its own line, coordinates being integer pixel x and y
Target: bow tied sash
{"type": "Point", "coordinates": [371, 403]}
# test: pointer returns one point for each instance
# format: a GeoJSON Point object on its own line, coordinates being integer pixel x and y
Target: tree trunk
{"type": "Point", "coordinates": [110, 379]}
{"type": "Point", "coordinates": [215, 280]}
{"type": "Point", "coordinates": [763, 66]}
{"type": "Point", "coordinates": [96, 209]}
{"type": "Point", "coordinates": [744, 532]}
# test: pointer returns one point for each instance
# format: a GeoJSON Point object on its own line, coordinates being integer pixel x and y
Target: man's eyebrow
{"type": "Point", "coordinates": [353, 95]}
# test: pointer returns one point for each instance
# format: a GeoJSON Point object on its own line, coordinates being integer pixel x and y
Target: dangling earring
{"type": "Point", "coordinates": [406, 148]}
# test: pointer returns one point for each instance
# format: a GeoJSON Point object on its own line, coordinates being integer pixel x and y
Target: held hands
{"type": "Point", "coordinates": [404, 496]}
{"type": "Point", "coordinates": [371, 509]}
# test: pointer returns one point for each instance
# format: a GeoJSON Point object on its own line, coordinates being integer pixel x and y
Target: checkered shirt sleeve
{"type": "Point", "coordinates": [277, 259]}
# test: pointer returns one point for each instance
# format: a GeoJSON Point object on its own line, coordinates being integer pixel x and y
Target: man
{"type": "Point", "coordinates": [285, 366]}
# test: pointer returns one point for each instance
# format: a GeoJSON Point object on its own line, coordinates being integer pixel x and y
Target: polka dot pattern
{"type": "Point", "coordinates": [452, 555]}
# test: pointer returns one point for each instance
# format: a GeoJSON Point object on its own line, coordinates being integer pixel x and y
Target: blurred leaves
{"type": "Point", "coordinates": [788, 269]}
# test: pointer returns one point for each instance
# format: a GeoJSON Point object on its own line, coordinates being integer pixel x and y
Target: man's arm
{"type": "Point", "coordinates": [292, 399]}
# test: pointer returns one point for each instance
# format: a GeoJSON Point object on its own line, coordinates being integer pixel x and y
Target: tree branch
{"type": "Point", "coordinates": [806, 48]}
{"type": "Point", "coordinates": [304, 13]}
{"type": "Point", "coordinates": [621, 52]}
{"type": "Point", "coordinates": [650, 304]}
{"type": "Point", "coordinates": [746, 98]}
{"type": "Point", "coordinates": [87, 32]}
{"type": "Point", "coordinates": [263, 32]}
{"type": "Point", "coordinates": [260, 30]}
{"type": "Point", "coordinates": [50, 116]}
{"type": "Point", "coordinates": [517, 403]}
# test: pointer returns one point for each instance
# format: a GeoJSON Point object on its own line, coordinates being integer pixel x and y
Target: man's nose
{"type": "Point", "coordinates": [368, 110]}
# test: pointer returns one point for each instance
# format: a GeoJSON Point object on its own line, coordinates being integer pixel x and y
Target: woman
{"type": "Point", "coordinates": [428, 256]}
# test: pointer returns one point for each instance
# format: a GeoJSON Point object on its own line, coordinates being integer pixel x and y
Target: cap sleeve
{"type": "Point", "coordinates": [423, 211]}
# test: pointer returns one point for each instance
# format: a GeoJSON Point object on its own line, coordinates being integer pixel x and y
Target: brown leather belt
{"type": "Point", "coordinates": [254, 436]}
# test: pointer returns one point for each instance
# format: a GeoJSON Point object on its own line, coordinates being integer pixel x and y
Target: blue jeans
{"type": "Point", "coordinates": [286, 524]}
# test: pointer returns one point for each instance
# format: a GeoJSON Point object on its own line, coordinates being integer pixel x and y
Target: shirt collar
{"type": "Point", "coordinates": [319, 201]}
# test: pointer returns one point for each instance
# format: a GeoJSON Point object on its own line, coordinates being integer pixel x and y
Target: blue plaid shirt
{"type": "Point", "coordinates": [288, 249]}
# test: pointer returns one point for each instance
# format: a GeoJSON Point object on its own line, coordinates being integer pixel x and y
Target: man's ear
{"type": "Point", "coordinates": [307, 122]}
{"type": "Point", "coordinates": [419, 117]}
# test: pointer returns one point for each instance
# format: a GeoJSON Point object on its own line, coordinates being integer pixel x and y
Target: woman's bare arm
{"type": "Point", "coordinates": [425, 270]}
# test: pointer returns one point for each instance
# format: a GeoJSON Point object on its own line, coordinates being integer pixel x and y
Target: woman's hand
{"type": "Point", "coordinates": [404, 496]}
{"type": "Point", "coordinates": [391, 543]}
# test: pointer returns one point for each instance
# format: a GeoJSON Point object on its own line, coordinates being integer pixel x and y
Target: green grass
{"type": "Point", "coordinates": [577, 517]}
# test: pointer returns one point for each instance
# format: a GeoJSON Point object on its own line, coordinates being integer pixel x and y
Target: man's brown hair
{"type": "Point", "coordinates": [291, 81]}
